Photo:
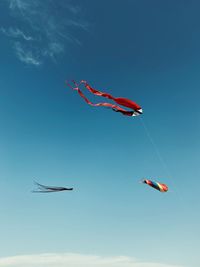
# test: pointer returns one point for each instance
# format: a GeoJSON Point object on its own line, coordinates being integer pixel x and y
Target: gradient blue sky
{"type": "Point", "coordinates": [144, 50]}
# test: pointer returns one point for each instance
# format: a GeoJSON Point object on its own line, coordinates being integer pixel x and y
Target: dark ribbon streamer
{"type": "Point", "coordinates": [49, 189]}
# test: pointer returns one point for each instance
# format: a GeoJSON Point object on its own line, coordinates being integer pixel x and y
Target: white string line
{"type": "Point", "coordinates": [164, 165]}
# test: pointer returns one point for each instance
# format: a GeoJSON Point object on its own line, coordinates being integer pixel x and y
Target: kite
{"type": "Point", "coordinates": [48, 189]}
{"type": "Point", "coordinates": [156, 185]}
{"type": "Point", "coordinates": [135, 108]}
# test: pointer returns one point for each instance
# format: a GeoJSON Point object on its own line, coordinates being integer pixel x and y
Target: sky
{"type": "Point", "coordinates": [147, 51]}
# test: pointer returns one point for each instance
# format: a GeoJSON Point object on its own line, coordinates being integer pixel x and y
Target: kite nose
{"type": "Point", "coordinates": [137, 112]}
{"type": "Point", "coordinates": [165, 187]}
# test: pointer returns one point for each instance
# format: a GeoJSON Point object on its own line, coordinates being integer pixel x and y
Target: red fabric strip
{"type": "Point", "coordinates": [119, 100]}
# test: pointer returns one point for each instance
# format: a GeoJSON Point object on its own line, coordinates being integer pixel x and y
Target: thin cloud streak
{"type": "Point", "coordinates": [20, 4]}
{"type": "Point", "coordinates": [26, 56]}
{"type": "Point", "coordinates": [75, 260]}
{"type": "Point", "coordinates": [16, 33]}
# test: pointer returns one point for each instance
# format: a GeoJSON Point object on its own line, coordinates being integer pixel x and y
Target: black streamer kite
{"type": "Point", "coordinates": [49, 189]}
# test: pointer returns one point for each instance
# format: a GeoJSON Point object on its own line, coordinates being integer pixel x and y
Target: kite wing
{"type": "Point", "coordinates": [135, 108]}
{"type": "Point", "coordinates": [160, 187]}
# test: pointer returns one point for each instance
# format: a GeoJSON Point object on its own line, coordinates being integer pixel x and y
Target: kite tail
{"type": "Point", "coordinates": [121, 101]}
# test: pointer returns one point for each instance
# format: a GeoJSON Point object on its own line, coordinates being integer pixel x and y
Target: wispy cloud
{"type": "Point", "coordinates": [26, 56]}
{"type": "Point", "coordinates": [17, 4]}
{"type": "Point", "coordinates": [15, 33]}
{"type": "Point", "coordinates": [75, 260]}
{"type": "Point", "coordinates": [42, 29]}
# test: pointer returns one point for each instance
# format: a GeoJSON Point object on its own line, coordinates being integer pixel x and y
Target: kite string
{"type": "Point", "coordinates": [163, 163]}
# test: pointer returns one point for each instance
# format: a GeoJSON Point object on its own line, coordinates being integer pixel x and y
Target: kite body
{"type": "Point", "coordinates": [160, 187]}
{"type": "Point", "coordinates": [135, 108]}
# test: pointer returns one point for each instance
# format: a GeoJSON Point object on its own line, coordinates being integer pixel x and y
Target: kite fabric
{"type": "Point", "coordinates": [160, 187]}
{"type": "Point", "coordinates": [136, 109]}
{"type": "Point", "coordinates": [49, 189]}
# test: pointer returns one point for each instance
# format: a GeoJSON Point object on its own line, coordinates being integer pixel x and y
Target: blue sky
{"type": "Point", "coordinates": [147, 51]}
